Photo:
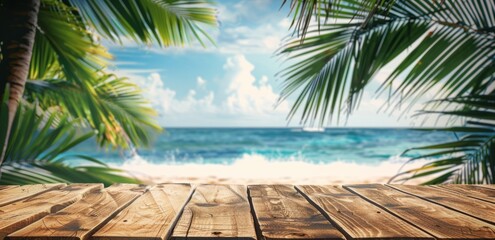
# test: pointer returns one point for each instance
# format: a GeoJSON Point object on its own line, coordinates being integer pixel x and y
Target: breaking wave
{"type": "Point", "coordinates": [252, 168]}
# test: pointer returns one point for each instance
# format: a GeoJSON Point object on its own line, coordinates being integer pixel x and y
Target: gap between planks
{"type": "Point", "coordinates": [441, 222]}
{"type": "Point", "coordinates": [216, 211]}
{"type": "Point", "coordinates": [13, 194]}
{"type": "Point", "coordinates": [284, 213]}
{"type": "Point", "coordinates": [82, 218]}
{"type": "Point", "coordinates": [471, 191]}
{"type": "Point", "coordinates": [152, 216]}
{"type": "Point", "coordinates": [249, 199]}
{"type": "Point", "coordinates": [356, 217]}
{"type": "Point", "coordinates": [473, 207]}
{"type": "Point", "coordinates": [24, 212]}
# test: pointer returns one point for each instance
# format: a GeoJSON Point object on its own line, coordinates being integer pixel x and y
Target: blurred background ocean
{"type": "Point", "coordinates": [294, 155]}
{"type": "Point", "coordinates": [225, 145]}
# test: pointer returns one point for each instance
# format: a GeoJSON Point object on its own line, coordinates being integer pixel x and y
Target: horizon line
{"type": "Point", "coordinates": [297, 127]}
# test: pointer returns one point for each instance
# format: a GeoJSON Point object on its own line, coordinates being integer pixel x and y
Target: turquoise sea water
{"type": "Point", "coordinates": [177, 146]}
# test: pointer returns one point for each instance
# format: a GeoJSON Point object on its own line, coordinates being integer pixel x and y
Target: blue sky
{"type": "Point", "coordinates": [234, 83]}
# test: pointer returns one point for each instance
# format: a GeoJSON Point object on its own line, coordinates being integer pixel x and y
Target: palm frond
{"type": "Point", "coordinates": [452, 58]}
{"type": "Point", "coordinates": [72, 95]}
{"type": "Point", "coordinates": [56, 172]}
{"type": "Point", "coordinates": [164, 22]}
{"type": "Point", "coordinates": [306, 13]}
{"type": "Point", "coordinates": [337, 64]}
{"type": "Point", "coordinates": [38, 152]}
{"type": "Point", "coordinates": [65, 50]}
{"type": "Point", "coordinates": [468, 160]}
{"type": "Point", "coordinates": [64, 47]}
{"type": "Point", "coordinates": [450, 45]}
{"type": "Point", "coordinates": [115, 107]}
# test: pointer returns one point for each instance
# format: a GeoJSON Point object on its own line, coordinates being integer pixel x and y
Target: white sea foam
{"type": "Point", "coordinates": [313, 129]}
{"type": "Point", "coordinates": [255, 168]}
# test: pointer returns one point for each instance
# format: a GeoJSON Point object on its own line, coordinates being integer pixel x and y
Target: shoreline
{"type": "Point", "coordinates": [252, 181]}
{"type": "Point", "coordinates": [255, 169]}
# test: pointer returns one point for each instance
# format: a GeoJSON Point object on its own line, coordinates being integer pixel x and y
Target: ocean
{"type": "Point", "coordinates": [341, 153]}
{"type": "Point", "coordinates": [226, 145]}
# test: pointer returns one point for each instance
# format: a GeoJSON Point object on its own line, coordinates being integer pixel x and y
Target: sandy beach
{"type": "Point", "coordinates": [257, 170]}
{"type": "Point", "coordinates": [250, 181]}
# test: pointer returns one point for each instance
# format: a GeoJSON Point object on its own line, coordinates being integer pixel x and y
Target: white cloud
{"type": "Point", "coordinates": [284, 23]}
{"type": "Point", "coordinates": [225, 15]}
{"type": "Point", "coordinates": [165, 100]}
{"type": "Point", "coordinates": [248, 101]}
{"type": "Point", "coordinates": [155, 92]}
{"type": "Point", "coordinates": [200, 82]}
{"type": "Point", "coordinates": [247, 95]}
{"type": "Point", "coordinates": [265, 38]}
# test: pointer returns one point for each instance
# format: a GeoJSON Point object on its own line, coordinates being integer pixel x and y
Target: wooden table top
{"type": "Point", "coordinates": [182, 211]}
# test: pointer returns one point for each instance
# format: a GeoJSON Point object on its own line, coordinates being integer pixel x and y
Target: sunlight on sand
{"type": "Point", "coordinates": [256, 169]}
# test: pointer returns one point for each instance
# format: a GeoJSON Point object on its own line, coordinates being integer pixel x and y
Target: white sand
{"type": "Point", "coordinates": [255, 169]}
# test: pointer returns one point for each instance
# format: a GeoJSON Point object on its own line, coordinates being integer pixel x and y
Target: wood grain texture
{"type": "Point", "coordinates": [216, 211]}
{"type": "Point", "coordinates": [283, 213]}
{"type": "Point", "coordinates": [437, 220]}
{"type": "Point", "coordinates": [149, 217]}
{"type": "Point", "coordinates": [358, 218]}
{"type": "Point", "coordinates": [81, 219]}
{"type": "Point", "coordinates": [3, 187]}
{"type": "Point", "coordinates": [10, 195]}
{"type": "Point", "coordinates": [471, 191]}
{"type": "Point", "coordinates": [22, 213]}
{"type": "Point", "coordinates": [490, 186]}
{"type": "Point", "coordinates": [477, 208]}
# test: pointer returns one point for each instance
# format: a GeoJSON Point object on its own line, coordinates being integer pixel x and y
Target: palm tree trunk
{"type": "Point", "coordinates": [18, 32]}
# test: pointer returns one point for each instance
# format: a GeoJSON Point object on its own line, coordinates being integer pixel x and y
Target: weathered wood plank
{"type": "Point", "coordinates": [358, 218]}
{"type": "Point", "coordinates": [216, 211]}
{"type": "Point", "coordinates": [283, 213]}
{"type": "Point", "coordinates": [471, 191]}
{"type": "Point", "coordinates": [490, 186]}
{"type": "Point", "coordinates": [3, 187]}
{"type": "Point", "coordinates": [437, 220]}
{"type": "Point", "coordinates": [479, 209]}
{"type": "Point", "coordinates": [10, 195]}
{"type": "Point", "coordinates": [22, 213]}
{"type": "Point", "coordinates": [151, 216]}
{"type": "Point", "coordinates": [81, 219]}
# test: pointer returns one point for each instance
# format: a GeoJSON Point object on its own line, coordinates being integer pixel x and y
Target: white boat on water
{"type": "Point", "coordinates": [313, 129]}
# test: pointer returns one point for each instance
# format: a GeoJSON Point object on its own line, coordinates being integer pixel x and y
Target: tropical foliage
{"type": "Point", "coordinates": [469, 159]}
{"type": "Point", "coordinates": [70, 96]}
{"type": "Point", "coordinates": [38, 152]}
{"type": "Point", "coordinates": [446, 45]}
{"type": "Point", "coordinates": [112, 105]}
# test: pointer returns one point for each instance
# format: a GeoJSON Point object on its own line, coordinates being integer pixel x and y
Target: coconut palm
{"type": "Point", "coordinates": [52, 60]}
{"type": "Point", "coordinates": [448, 45]}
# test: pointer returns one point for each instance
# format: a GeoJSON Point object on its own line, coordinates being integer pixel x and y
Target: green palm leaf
{"type": "Point", "coordinates": [66, 49]}
{"type": "Point", "coordinates": [304, 11]}
{"type": "Point", "coordinates": [165, 22]}
{"type": "Point", "coordinates": [64, 45]}
{"type": "Point", "coordinates": [38, 152]}
{"type": "Point", "coordinates": [470, 159]}
{"type": "Point", "coordinates": [73, 95]}
{"type": "Point", "coordinates": [450, 45]}
{"type": "Point", "coordinates": [336, 69]}
{"type": "Point", "coordinates": [115, 108]}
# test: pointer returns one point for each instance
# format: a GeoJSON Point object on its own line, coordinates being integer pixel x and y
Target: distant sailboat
{"type": "Point", "coordinates": [313, 129]}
